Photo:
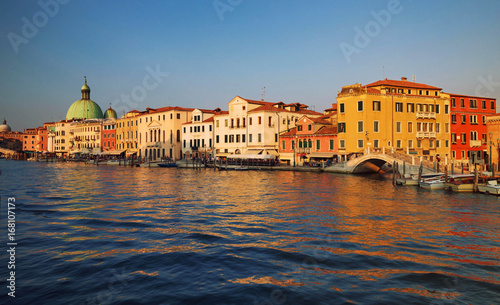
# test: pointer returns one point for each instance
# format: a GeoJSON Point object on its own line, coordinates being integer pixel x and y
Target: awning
{"type": "Point", "coordinates": [222, 154]}
{"type": "Point", "coordinates": [113, 152]}
{"type": "Point", "coordinates": [272, 152]}
{"type": "Point", "coordinates": [320, 155]}
{"type": "Point", "coordinates": [254, 151]}
{"type": "Point", "coordinates": [252, 156]}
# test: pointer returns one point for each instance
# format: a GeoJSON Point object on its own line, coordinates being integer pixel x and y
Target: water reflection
{"type": "Point", "coordinates": [317, 237]}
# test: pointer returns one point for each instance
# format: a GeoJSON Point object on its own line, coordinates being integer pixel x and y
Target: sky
{"type": "Point", "coordinates": [201, 54]}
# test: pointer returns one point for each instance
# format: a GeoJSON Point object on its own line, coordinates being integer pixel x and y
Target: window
{"type": "Point", "coordinates": [463, 119]}
{"type": "Point", "coordinates": [398, 143]}
{"type": "Point", "coordinates": [437, 109]}
{"type": "Point", "coordinates": [260, 121]}
{"type": "Point", "coordinates": [431, 127]}
{"type": "Point", "coordinates": [419, 127]}
{"type": "Point", "coordinates": [249, 121]}
{"type": "Point", "coordinates": [419, 92]}
{"type": "Point", "coordinates": [360, 143]}
{"type": "Point", "coordinates": [473, 135]}
{"type": "Point", "coordinates": [178, 116]}
{"type": "Point", "coordinates": [462, 103]}
{"type": "Point", "coordinates": [438, 127]}
{"type": "Point", "coordinates": [484, 120]}
{"type": "Point", "coordinates": [492, 106]}
{"type": "Point", "coordinates": [427, 92]}
{"type": "Point", "coordinates": [410, 127]}
{"type": "Point", "coordinates": [376, 105]}
{"type": "Point", "coordinates": [419, 144]}
{"type": "Point", "coordinates": [483, 104]}
{"type": "Point", "coordinates": [341, 128]}
{"type": "Point", "coordinates": [332, 144]}
{"type": "Point", "coordinates": [283, 146]}
{"type": "Point", "coordinates": [410, 108]}
{"type": "Point", "coordinates": [453, 118]}
{"type": "Point", "coordinates": [463, 138]}
{"type": "Point", "coordinates": [431, 143]}
{"type": "Point", "coordinates": [342, 144]}
{"type": "Point", "coordinates": [410, 143]}
{"type": "Point", "coordinates": [446, 109]}
{"type": "Point", "coordinates": [250, 138]}
{"type": "Point", "coordinates": [341, 108]}
{"type": "Point", "coordinates": [309, 127]}
{"type": "Point", "coordinates": [447, 143]}
{"type": "Point", "coordinates": [398, 126]}
{"type": "Point", "coordinates": [318, 144]}
{"type": "Point", "coordinates": [225, 138]}
{"type": "Point", "coordinates": [446, 127]}
{"type": "Point", "coordinates": [473, 119]}
{"type": "Point", "coordinates": [360, 105]}
{"type": "Point", "coordinates": [453, 104]}
{"type": "Point", "coordinates": [243, 138]}
{"type": "Point", "coordinates": [375, 143]}
{"type": "Point", "coordinates": [226, 122]}
{"type": "Point", "coordinates": [270, 121]}
{"type": "Point", "coordinates": [260, 137]}
{"type": "Point", "coordinates": [293, 144]}
{"type": "Point", "coordinates": [216, 139]}
{"type": "Point", "coordinates": [375, 126]}
{"type": "Point", "coordinates": [473, 104]}
{"type": "Point", "coordinates": [237, 138]}
{"type": "Point", "coordinates": [217, 124]}
{"type": "Point", "coordinates": [299, 127]}
{"type": "Point", "coordinates": [399, 107]}
{"type": "Point", "coordinates": [360, 126]}
{"type": "Point", "coordinates": [243, 108]}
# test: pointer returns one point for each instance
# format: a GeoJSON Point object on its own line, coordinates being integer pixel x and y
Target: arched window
{"type": "Point", "coordinates": [178, 135]}
{"type": "Point", "coordinates": [310, 143]}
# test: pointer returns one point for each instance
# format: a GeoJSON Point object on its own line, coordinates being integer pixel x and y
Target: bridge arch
{"type": "Point", "coordinates": [369, 163]}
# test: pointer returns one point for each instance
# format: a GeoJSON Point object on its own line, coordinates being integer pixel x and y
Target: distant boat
{"type": "Point", "coordinates": [167, 164]}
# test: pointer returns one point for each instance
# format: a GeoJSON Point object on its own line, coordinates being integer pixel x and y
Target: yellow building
{"type": "Point", "coordinates": [127, 132]}
{"type": "Point", "coordinates": [392, 115]}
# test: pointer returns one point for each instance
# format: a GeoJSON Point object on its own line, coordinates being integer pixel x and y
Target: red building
{"type": "Point", "coordinates": [468, 126]}
{"type": "Point", "coordinates": [312, 139]}
{"type": "Point", "coordinates": [29, 141]}
{"type": "Point", "coordinates": [108, 135]}
{"type": "Point", "coordinates": [41, 139]}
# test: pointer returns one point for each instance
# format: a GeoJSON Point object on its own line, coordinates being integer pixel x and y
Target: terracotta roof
{"type": "Point", "coordinates": [401, 83]}
{"type": "Point", "coordinates": [222, 113]}
{"type": "Point", "coordinates": [372, 90]}
{"type": "Point", "coordinates": [319, 120]}
{"type": "Point", "coordinates": [268, 107]}
{"type": "Point", "coordinates": [210, 119]}
{"type": "Point", "coordinates": [291, 132]}
{"type": "Point", "coordinates": [305, 111]}
{"type": "Point", "coordinates": [327, 130]}
{"type": "Point", "coordinates": [478, 97]}
{"type": "Point", "coordinates": [255, 101]}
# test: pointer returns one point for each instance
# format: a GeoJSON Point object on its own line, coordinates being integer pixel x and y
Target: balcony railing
{"type": "Point", "coordinates": [303, 150]}
{"type": "Point", "coordinates": [426, 115]}
{"type": "Point", "coordinates": [426, 134]}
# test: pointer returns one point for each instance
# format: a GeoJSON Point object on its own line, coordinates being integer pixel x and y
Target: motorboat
{"type": "Point", "coordinates": [492, 188]}
{"type": "Point", "coordinates": [460, 183]}
{"type": "Point", "coordinates": [167, 164]}
{"type": "Point", "coordinates": [435, 183]}
{"type": "Point", "coordinates": [412, 180]}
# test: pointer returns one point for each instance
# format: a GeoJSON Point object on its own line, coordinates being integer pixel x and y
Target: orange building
{"type": "Point", "coordinates": [311, 139]}
{"type": "Point", "coordinates": [493, 138]}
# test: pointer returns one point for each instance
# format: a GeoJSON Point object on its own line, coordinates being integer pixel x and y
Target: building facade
{"type": "Point", "coordinates": [127, 133]}
{"type": "Point", "coordinates": [401, 116]}
{"type": "Point", "coordinates": [108, 135]}
{"type": "Point", "coordinates": [469, 137]}
{"type": "Point", "coordinates": [253, 127]}
{"type": "Point", "coordinates": [160, 132]}
{"type": "Point", "coordinates": [493, 139]}
{"type": "Point", "coordinates": [311, 139]}
{"type": "Point", "coordinates": [198, 134]}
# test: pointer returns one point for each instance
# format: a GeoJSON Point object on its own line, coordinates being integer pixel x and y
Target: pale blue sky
{"type": "Point", "coordinates": [293, 48]}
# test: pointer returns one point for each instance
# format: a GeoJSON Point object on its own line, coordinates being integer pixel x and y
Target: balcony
{"type": "Point", "coordinates": [474, 143]}
{"type": "Point", "coordinates": [236, 127]}
{"type": "Point", "coordinates": [426, 135]}
{"type": "Point", "coordinates": [303, 150]}
{"type": "Point", "coordinates": [426, 115]}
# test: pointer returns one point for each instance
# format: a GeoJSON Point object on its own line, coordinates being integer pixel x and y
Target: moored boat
{"type": "Point", "coordinates": [492, 188]}
{"type": "Point", "coordinates": [436, 183]}
{"type": "Point", "coordinates": [460, 183]}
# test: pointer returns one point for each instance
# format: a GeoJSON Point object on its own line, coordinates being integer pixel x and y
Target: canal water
{"type": "Point", "coordinates": [115, 235]}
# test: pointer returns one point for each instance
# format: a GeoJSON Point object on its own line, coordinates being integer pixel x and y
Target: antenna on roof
{"type": "Point", "coordinates": [263, 93]}
{"type": "Point", "coordinates": [413, 77]}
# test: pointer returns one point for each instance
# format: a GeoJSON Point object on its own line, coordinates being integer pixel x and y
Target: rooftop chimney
{"type": "Point", "coordinates": [404, 79]}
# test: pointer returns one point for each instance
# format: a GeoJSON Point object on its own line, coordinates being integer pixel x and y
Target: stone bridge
{"type": "Point", "coordinates": [373, 162]}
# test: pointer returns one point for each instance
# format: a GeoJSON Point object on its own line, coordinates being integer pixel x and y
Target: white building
{"type": "Point", "coordinates": [253, 127]}
{"type": "Point", "coordinates": [198, 134]}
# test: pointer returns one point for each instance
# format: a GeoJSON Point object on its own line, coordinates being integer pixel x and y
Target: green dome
{"type": "Point", "coordinates": [85, 108]}
{"type": "Point", "coordinates": [110, 114]}
{"type": "Point", "coordinates": [78, 110]}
